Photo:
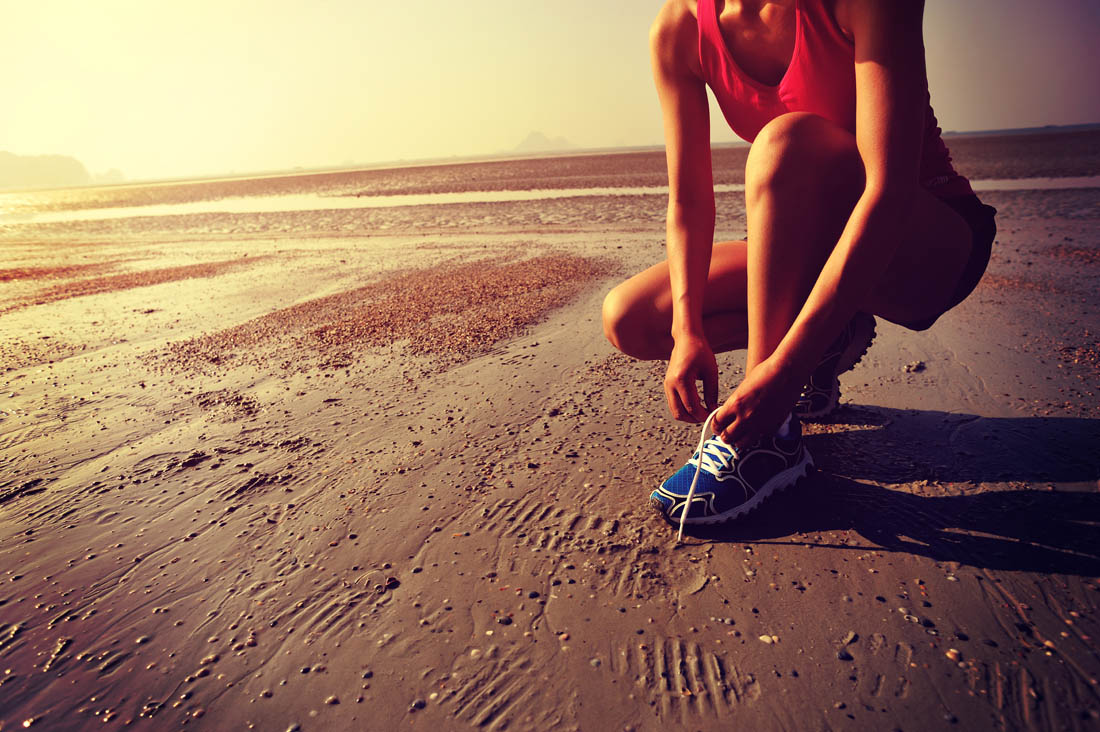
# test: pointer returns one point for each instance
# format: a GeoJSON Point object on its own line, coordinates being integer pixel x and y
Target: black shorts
{"type": "Point", "coordinates": [983, 229]}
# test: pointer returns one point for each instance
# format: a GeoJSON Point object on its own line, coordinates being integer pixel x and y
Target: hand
{"type": "Point", "coordinates": [691, 360]}
{"type": "Point", "coordinates": [758, 405]}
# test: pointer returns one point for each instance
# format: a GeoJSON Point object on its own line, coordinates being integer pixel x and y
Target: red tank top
{"type": "Point", "coordinates": [820, 80]}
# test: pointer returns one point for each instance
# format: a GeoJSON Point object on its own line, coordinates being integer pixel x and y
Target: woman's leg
{"type": "Point", "coordinates": [802, 179]}
{"type": "Point", "coordinates": [637, 314]}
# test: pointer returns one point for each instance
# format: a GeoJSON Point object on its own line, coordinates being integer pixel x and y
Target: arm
{"type": "Point", "coordinates": [890, 107]}
{"type": "Point", "coordinates": [690, 223]}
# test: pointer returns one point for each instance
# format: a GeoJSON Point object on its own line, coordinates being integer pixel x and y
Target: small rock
{"type": "Point", "coordinates": [417, 704]}
{"type": "Point", "coordinates": [953, 654]}
{"type": "Point", "coordinates": [332, 700]}
{"type": "Point", "coordinates": [850, 638]}
{"type": "Point", "coordinates": [843, 655]}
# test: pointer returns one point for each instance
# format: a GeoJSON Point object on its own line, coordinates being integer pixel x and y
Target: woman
{"type": "Point", "coordinates": [852, 210]}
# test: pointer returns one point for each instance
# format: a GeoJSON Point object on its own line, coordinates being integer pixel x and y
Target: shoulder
{"type": "Point", "coordinates": [674, 36]}
{"type": "Point", "coordinates": [854, 16]}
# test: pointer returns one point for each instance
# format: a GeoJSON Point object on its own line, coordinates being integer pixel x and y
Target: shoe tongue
{"type": "Point", "coordinates": [717, 442]}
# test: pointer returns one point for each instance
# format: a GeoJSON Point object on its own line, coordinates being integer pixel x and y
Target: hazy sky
{"type": "Point", "coordinates": [168, 89]}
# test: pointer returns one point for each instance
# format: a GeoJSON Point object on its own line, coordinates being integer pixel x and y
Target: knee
{"type": "Point", "coordinates": [797, 151]}
{"type": "Point", "coordinates": [616, 317]}
{"type": "Point", "coordinates": [624, 326]}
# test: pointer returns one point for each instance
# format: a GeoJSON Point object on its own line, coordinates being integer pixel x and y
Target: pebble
{"type": "Point", "coordinates": [953, 654]}
{"type": "Point", "coordinates": [843, 655]}
{"type": "Point", "coordinates": [852, 637]}
{"type": "Point", "coordinates": [417, 704]}
{"type": "Point", "coordinates": [332, 700]}
{"type": "Point", "coordinates": [766, 639]}
{"type": "Point", "coordinates": [504, 620]}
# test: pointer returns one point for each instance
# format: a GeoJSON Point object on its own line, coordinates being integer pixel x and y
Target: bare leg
{"type": "Point", "coordinates": [637, 314]}
{"type": "Point", "coordinates": [803, 178]}
{"type": "Point", "coordinates": [794, 219]}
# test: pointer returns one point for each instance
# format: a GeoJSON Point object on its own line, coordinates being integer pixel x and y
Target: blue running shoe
{"type": "Point", "coordinates": [731, 482]}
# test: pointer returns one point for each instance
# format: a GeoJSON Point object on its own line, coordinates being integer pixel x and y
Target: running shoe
{"type": "Point", "coordinates": [730, 482]}
{"type": "Point", "coordinates": [821, 396]}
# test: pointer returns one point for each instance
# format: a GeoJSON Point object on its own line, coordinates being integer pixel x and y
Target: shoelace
{"type": "Point", "coordinates": [695, 479]}
{"type": "Point", "coordinates": [716, 456]}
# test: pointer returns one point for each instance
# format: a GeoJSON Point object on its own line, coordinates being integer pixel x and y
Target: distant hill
{"type": "Point", "coordinates": [32, 171]}
{"type": "Point", "coordinates": [1046, 129]}
{"type": "Point", "coordinates": [537, 142]}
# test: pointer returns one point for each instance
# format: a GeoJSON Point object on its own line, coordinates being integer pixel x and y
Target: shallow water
{"type": "Point", "coordinates": [303, 202]}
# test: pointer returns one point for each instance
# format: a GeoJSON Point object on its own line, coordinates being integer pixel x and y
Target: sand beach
{"type": "Point", "coordinates": [374, 467]}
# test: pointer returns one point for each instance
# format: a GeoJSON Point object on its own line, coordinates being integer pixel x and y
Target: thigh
{"type": "Point", "coordinates": [649, 290]}
{"type": "Point", "coordinates": [921, 280]}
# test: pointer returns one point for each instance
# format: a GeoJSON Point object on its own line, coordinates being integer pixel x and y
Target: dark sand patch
{"type": "Point", "coordinates": [18, 353]}
{"type": "Point", "coordinates": [1075, 255]}
{"type": "Point", "coordinates": [999, 282]}
{"type": "Point", "coordinates": [1085, 356]}
{"type": "Point", "coordinates": [59, 272]}
{"type": "Point", "coordinates": [130, 280]}
{"type": "Point", "coordinates": [453, 311]}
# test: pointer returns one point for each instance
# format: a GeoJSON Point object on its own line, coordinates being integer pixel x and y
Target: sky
{"type": "Point", "coordinates": [204, 87]}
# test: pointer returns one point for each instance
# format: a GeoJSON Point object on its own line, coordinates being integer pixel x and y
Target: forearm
{"type": "Point", "coordinates": [857, 263]}
{"type": "Point", "coordinates": [690, 238]}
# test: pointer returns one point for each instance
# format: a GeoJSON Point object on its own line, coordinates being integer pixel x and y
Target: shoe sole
{"type": "Point", "coordinates": [779, 482]}
{"type": "Point", "coordinates": [855, 352]}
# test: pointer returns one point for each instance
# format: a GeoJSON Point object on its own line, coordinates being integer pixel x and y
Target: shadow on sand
{"type": "Point", "coordinates": [996, 522]}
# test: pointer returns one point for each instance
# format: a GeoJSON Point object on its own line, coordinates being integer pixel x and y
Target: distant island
{"type": "Point", "coordinates": [536, 142]}
{"type": "Point", "coordinates": [49, 171]}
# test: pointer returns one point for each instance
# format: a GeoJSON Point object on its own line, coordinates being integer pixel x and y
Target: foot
{"type": "Point", "coordinates": [732, 482]}
{"type": "Point", "coordinates": [821, 396]}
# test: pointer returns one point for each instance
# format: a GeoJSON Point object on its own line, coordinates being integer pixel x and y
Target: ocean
{"type": "Point", "coordinates": [620, 188]}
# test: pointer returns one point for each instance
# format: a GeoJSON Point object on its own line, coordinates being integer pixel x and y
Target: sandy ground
{"type": "Point", "coordinates": [238, 490]}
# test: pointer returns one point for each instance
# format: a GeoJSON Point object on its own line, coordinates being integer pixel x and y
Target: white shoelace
{"type": "Point", "coordinates": [695, 479]}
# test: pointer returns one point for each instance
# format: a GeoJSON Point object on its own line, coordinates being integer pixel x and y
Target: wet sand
{"type": "Point", "coordinates": [312, 472]}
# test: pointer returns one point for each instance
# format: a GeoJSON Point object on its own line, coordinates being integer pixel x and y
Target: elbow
{"type": "Point", "coordinates": [889, 195]}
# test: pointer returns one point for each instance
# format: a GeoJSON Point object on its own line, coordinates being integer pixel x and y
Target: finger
{"type": "Point", "coordinates": [673, 401]}
{"type": "Point", "coordinates": [685, 414]}
{"type": "Point", "coordinates": [734, 431]}
{"type": "Point", "coordinates": [690, 397]}
{"type": "Point", "coordinates": [723, 417]}
{"type": "Point", "coordinates": [710, 388]}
